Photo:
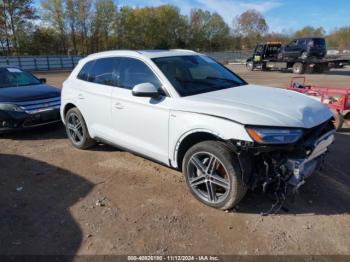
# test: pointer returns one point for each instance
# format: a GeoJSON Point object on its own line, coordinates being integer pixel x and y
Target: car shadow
{"type": "Point", "coordinates": [339, 72]}
{"type": "Point", "coordinates": [55, 131]}
{"type": "Point", "coordinates": [105, 148]}
{"type": "Point", "coordinates": [35, 198]}
{"type": "Point", "coordinates": [327, 192]}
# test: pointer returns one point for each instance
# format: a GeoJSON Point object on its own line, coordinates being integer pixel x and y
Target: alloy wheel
{"type": "Point", "coordinates": [75, 129]}
{"type": "Point", "coordinates": [208, 177]}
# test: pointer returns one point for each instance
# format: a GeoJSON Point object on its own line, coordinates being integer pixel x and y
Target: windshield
{"type": "Point", "coordinates": [191, 75]}
{"type": "Point", "coordinates": [13, 77]}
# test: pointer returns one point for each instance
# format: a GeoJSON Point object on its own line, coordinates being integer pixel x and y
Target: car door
{"type": "Point", "coordinates": [140, 123]}
{"type": "Point", "coordinates": [95, 97]}
{"type": "Point", "coordinates": [291, 50]}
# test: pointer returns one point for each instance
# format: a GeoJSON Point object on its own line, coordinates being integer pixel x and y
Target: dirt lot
{"type": "Point", "coordinates": [49, 191]}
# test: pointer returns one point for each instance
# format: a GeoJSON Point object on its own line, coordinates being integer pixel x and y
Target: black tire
{"type": "Point", "coordinates": [85, 141]}
{"type": "Point", "coordinates": [298, 68]}
{"type": "Point", "coordinates": [338, 120]}
{"type": "Point", "coordinates": [227, 168]}
{"type": "Point", "coordinates": [347, 119]}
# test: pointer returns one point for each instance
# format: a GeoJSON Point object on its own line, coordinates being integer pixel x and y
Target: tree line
{"type": "Point", "coordinates": [87, 26]}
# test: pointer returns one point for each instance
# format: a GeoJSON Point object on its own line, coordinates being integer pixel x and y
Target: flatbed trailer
{"type": "Point", "coordinates": [266, 57]}
{"type": "Point", "coordinates": [335, 98]}
{"type": "Point", "coordinates": [301, 66]}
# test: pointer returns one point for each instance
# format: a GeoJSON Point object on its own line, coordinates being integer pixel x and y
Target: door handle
{"type": "Point", "coordinates": [81, 96]}
{"type": "Point", "coordinates": [118, 105]}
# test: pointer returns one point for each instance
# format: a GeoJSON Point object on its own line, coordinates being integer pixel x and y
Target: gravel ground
{"type": "Point", "coordinates": [58, 200]}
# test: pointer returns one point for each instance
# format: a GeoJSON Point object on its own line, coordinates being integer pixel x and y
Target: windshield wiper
{"type": "Point", "coordinates": [194, 81]}
{"type": "Point", "coordinates": [224, 79]}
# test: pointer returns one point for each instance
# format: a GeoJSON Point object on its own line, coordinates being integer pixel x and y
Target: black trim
{"type": "Point", "coordinates": [105, 141]}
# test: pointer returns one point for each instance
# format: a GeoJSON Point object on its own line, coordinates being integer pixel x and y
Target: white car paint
{"type": "Point", "coordinates": [156, 128]}
{"type": "Point", "coordinates": [259, 105]}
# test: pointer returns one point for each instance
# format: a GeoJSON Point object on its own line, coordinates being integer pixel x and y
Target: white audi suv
{"type": "Point", "coordinates": [186, 111]}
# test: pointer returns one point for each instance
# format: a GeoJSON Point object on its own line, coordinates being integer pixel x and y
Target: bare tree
{"type": "Point", "coordinates": [54, 14]}
{"type": "Point", "coordinates": [251, 25]}
{"type": "Point", "coordinates": [14, 15]}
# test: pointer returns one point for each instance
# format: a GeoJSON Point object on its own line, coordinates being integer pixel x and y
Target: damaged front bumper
{"type": "Point", "coordinates": [280, 170]}
{"type": "Point", "coordinates": [303, 168]}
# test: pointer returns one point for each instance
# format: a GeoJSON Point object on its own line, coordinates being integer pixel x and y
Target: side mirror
{"type": "Point", "coordinates": [42, 80]}
{"type": "Point", "coordinates": [145, 90]}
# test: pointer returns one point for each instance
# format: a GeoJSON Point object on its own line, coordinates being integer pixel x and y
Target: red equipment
{"type": "Point", "coordinates": [337, 99]}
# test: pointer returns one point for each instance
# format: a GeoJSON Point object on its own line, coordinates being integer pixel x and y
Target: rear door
{"type": "Point", "coordinates": [94, 96]}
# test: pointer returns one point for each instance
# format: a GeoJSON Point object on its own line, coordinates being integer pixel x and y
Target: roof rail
{"type": "Point", "coordinates": [187, 50]}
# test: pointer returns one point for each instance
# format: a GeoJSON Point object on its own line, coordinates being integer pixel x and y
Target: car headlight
{"type": "Point", "coordinates": [10, 107]}
{"type": "Point", "coordinates": [267, 135]}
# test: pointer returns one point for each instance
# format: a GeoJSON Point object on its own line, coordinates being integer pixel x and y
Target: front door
{"type": "Point", "coordinates": [292, 50]}
{"type": "Point", "coordinates": [141, 123]}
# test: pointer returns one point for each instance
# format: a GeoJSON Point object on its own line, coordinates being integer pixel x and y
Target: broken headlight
{"type": "Point", "coordinates": [269, 135]}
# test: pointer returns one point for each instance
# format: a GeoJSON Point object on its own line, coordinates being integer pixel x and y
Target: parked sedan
{"type": "Point", "coordinates": [26, 101]}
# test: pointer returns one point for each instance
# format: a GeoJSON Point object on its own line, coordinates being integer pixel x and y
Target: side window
{"type": "Point", "coordinates": [294, 43]}
{"type": "Point", "coordinates": [259, 50]}
{"type": "Point", "coordinates": [133, 72]}
{"type": "Point", "coordinates": [84, 72]}
{"type": "Point", "coordinates": [104, 71]}
{"type": "Point", "coordinates": [302, 43]}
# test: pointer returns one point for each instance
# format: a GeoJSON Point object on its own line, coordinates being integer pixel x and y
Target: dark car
{"type": "Point", "coordinates": [26, 101]}
{"type": "Point", "coordinates": [304, 48]}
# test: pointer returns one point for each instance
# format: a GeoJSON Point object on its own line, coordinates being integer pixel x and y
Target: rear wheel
{"type": "Point", "coordinates": [213, 175]}
{"type": "Point", "coordinates": [76, 129]}
{"type": "Point", "coordinates": [298, 68]}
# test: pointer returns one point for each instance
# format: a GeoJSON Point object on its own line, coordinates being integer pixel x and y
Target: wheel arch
{"type": "Point", "coordinates": [187, 140]}
{"type": "Point", "coordinates": [66, 107]}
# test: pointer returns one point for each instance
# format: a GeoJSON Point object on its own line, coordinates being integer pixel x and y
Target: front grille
{"type": "Point", "coordinates": [313, 134]}
{"type": "Point", "coordinates": [42, 105]}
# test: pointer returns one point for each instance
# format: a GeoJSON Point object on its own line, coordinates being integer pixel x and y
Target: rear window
{"type": "Point", "coordinates": [104, 71]}
{"type": "Point", "coordinates": [85, 71]}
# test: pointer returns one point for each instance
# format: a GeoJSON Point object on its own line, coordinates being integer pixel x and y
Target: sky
{"type": "Point", "coordinates": [281, 15]}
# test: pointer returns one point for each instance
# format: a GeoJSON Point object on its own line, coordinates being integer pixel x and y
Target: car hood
{"type": "Point", "coordinates": [259, 105]}
{"type": "Point", "coordinates": [27, 93]}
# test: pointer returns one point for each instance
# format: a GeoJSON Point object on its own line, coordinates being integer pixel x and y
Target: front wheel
{"type": "Point", "coordinates": [213, 175]}
{"type": "Point", "coordinates": [77, 131]}
{"type": "Point", "coordinates": [298, 68]}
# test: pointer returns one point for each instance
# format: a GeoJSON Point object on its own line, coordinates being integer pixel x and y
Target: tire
{"type": "Point", "coordinates": [75, 124]}
{"type": "Point", "coordinates": [347, 119]}
{"type": "Point", "coordinates": [298, 68]}
{"type": "Point", "coordinates": [338, 120]}
{"type": "Point", "coordinates": [250, 66]}
{"type": "Point", "coordinates": [319, 68]}
{"type": "Point", "coordinates": [225, 182]}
